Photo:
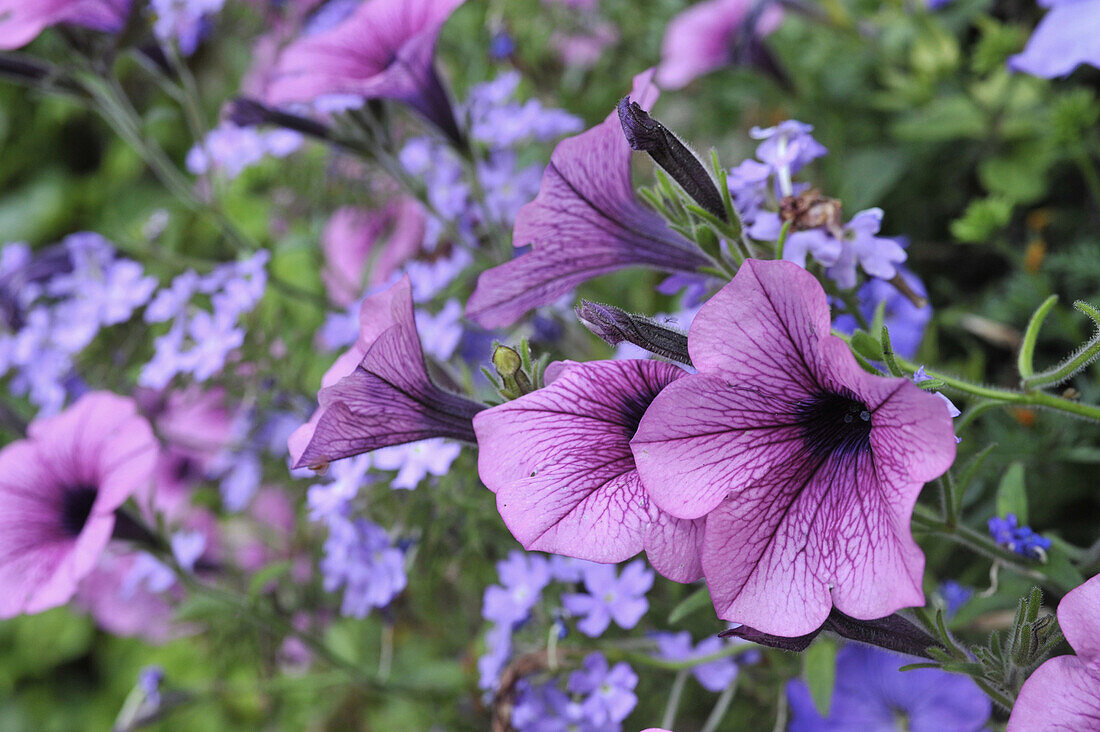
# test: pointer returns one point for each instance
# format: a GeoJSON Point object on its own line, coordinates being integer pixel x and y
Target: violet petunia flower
{"type": "Point", "coordinates": [384, 50]}
{"type": "Point", "coordinates": [59, 489]}
{"type": "Point", "coordinates": [22, 20]}
{"type": "Point", "coordinates": [872, 695]}
{"type": "Point", "coordinates": [1064, 693]}
{"type": "Point", "coordinates": [1066, 37]}
{"type": "Point", "coordinates": [805, 466]}
{"type": "Point", "coordinates": [387, 398]}
{"type": "Point", "coordinates": [366, 248]}
{"type": "Point", "coordinates": [585, 222]}
{"type": "Point", "coordinates": [559, 461]}
{"type": "Point", "coordinates": [703, 38]}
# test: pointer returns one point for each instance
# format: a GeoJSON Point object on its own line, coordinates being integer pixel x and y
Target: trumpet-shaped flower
{"type": "Point", "coordinates": [705, 37]}
{"type": "Point", "coordinates": [59, 489]}
{"type": "Point", "coordinates": [379, 393]}
{"type": "Point", "coordinates": [559, 461]}
{"type": "Point", "coordinates": [1068, 36]}
{"type": "Point", "coordinates": [585, 222]}
{"type": "Point", "coordinates": [805, 466]}
{"type": "Point", "coordinates": [22, 20]}
{"type": "Point", "coordinates": [383, 50]}
{"type": "Point", "coordinates": [1064, 693]}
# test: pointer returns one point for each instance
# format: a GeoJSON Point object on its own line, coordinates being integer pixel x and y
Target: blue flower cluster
{"type": "Point", "coordinates": [1020, 539]}
{"type": "Point", "coordinates": [595, 697]}
{"type": "Point", "coordinates": [54, 303]}
{"type": "Point", "coordinates": [199, 341]}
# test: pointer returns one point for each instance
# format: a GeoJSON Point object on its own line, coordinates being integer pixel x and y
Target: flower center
{"type": "Point", "coordinates": [835, 424]}
{"type": "Point", "coordinates": [76, 506]}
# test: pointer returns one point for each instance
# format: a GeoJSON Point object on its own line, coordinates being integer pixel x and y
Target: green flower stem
{"type": "Point", "coordinates": [1025, 361]}
{"type": "Point", "coordinates": [674, 695]}
{"type": "Point", "coordinates": [1087, 167]}
{"type": "Point", "coordinates": [1006, 396]}
{"type": "Point", "coordinates": [644, 659]}
{"type": "Point", "coordinates": [925, 519]}
{"type": "Point", "coordinates": [720, 707]}
{"type": "Point", "coordinates": [1074, 363]}
{"type": "Point", "coordinates": [993, 693]}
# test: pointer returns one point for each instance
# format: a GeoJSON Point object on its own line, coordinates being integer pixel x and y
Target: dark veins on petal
{"type": "Point", "coordinates": [76, 506]}
{"type": "Point", "coordinates": [834, 424]}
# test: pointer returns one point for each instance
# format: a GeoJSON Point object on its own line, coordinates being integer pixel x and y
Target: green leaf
{"type": "Point", "coordinates": [1012, 494]}
{"type": "Point", "coordinates": [266, 576]}
{"type": "Point", "coordinates": [819, 668]}
{"type": "Point", "coordinates": [1059, 569]}
{"type": "Point", "coordinates": [868, 347]}
{"type": "Point", "coordinates": [944, 118]}
{"type": "Point", "coordinates": [693, 602]}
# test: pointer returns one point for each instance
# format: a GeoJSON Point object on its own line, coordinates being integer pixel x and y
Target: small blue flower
{"type": "Point", "coordinates": [1020, 539]}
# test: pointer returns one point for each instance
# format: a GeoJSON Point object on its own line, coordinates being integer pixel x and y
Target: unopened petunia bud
{"type": "Point", "coordinates": [509, 365]}
{"type": "Point", "coordinates": [648, 135]}
{"type": "Point", "coordinates": [616, 326]}
{"type": "Point", "coordinates": [893, 633]}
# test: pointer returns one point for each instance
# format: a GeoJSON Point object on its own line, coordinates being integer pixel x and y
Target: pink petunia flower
{"type": "Point", "coordinates": [1064, 693]}
{"type": "Point", "coordinates": [702, 38]}
{"type": "Point", "coordinates": [378, 393]}
{"type": "Point", "coordinates": [384, 50]}
{"type": "Point", "coordinates": [59, 490]}
{"type": "Point", "coordinates": [805, 466]}
{"type": "Point", "coordinates": [22, 20]}
{"type": "Point", "coordinates": [560, 464]}
{"type": "Point", "coordinates": [356, 242]}
{"type": "Point", "coordinates": [585, 222]}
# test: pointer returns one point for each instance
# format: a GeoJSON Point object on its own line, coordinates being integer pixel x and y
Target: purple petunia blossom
{"type": "Point", "coordinates": [366, 248]}
{"type": "Point", "coordinates": [22, 20]}
{"type": "Point", "coordinates": [1066, 37]}
{"type": "Point", "coordinates": [610, 597]}
{"type": "Point", "coordinates": [387, 398]}
{"type": "Point", "coordinates": [702, 38]}
{"type": "Point", "coordinates": [585, 222]}
{"type": "Point", "coordinates": [559, 461]}
{"type": "Point", "coordinates": [1064, 693]}
{"type": "Point", "coordinates": [383, 50]}
{"type": "Point", "coordinates": [805, 466]}
{"type": "Point", "coordinates": [715, 675]}
{"type": "Point", "coordinates": [871, 694]}
{"type": "Point", "coordinates": [59, 489]}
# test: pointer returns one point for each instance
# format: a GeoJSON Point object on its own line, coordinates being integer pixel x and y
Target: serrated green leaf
{"type": "Point", "coordinates": [1012, 494]}
{"type": "Point", "coordinates": [819, 669]}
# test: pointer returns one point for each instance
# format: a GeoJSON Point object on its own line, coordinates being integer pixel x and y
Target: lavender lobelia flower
{"type": "Point", "coordinates": [805, 466]}
{"type": "Point", "coordinates": [559, 461]}
{"type": "Point", "coordinates": [388, 398]}
{"type": "Point", "coordinates": [1064, 693]}
{"type": "Point", "coordinates": [714, 676]}
{"type": "Point", "coordinates": [368, 247]}
{"type": "Point", "coordinates": [905, 321]}
{"type": "Point", "coordinates": [1066, 37]}
{"type": "Point", "coordinates": [871, 694]}
{"type": "Point", "coordinates": [59, 489]}
{"type": "Point", "coordinates": [523, 577]}
{"type": "Point", "coordinates": [184, 21]}
{"type": "Point", "coordinates": [702, 38]}
{"type": "Point", "coordinates": [609, 690]}
{"type": "Point", "coordinates": [384, 49]}
{"type": "Point", "coordinates": [611, 596]}
{"type": "Point", "coordinates": [584, 222]}
{"type": "Point", "coordinates": [22, 20]}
